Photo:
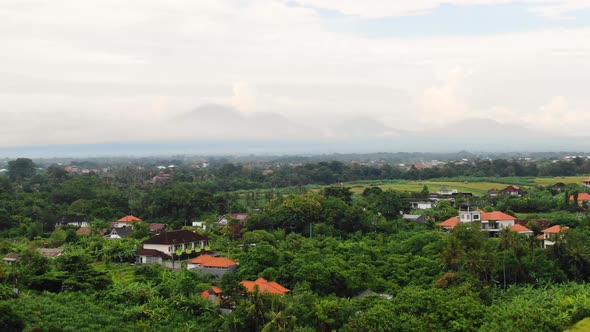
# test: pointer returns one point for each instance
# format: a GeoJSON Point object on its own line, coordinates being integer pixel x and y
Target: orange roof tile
{"type": "Point", "coordinates": [450, 223]}
{"type": "Point", "coordinates": [581, 197]}
{"type": "Point", "coordinates": [555, 229]}
{"type": "Point", "coordinates": [205, 294]}
{"type": "Point", "coordinates": [129, 219]}
{"type": "Point", "coordinates": [520, 229]}
{"type": "Point", "coordinates": [84, 231]}
{"type": "Point", "coordinates": [586, 180]}
{"type": "Point", "coordinates": [541, 237]}
{"type": "Point", "coordinates": [214, 289]}
{"type": "Point", "coordinates": [210, 261]}
{"type": "Point", "coordinates": [496, 215]}
{"type": "Point", "coordinates": [264, 286]}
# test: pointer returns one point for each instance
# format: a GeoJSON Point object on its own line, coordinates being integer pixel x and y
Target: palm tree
{"type": "Point", "coordinates": [278, 317]}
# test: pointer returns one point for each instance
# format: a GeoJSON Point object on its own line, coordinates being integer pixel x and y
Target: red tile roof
{"type": "Point", "coordinates": [205, 295]}
{"type": "Point", "coordinates": [210, 261]}
{"type": "Point", "coordinates": [129, 219]}
{"type": "Point", "coordinates": [154, 227]}
{"type": "Point", "coordinates": [520, 229]}
{"type": "Point", "coordinates": [240, 216]}
{"type": "Point", "coordinates": [496, 215]}
{"type": "Point", "coordinates": [586, 180]}
{"type": "Point", "coordinates": [555, 229]}
{"type": "Point", "coordinates": [84, 231]}
{"type": "Point", "coordinates": [450, 223]}
{"type": "Point", "coordinates": [581, 197]}
{"type": "Point", "coordinates": [264, 286]}
{"type": "Point", "coordinates": [541, 237]}
{"type": "Point", "coordinates": [215, 290]}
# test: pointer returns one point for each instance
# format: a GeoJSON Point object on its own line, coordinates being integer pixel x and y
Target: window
{"type": "Point", "coordinates": [476, 217]}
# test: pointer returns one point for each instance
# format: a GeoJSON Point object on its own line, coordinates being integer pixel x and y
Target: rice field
{"type": "Point", "coordinates": [477, 188]}
{"type": "Point", "coordinates": [472, 186]}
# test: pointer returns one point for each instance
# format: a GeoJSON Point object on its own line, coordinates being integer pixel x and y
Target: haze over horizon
{"type": "Point", "coordinates": [292, 76]}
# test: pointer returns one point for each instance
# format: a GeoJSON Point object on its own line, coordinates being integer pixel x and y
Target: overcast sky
{"type": "Point", "coordinates": [76, 71]}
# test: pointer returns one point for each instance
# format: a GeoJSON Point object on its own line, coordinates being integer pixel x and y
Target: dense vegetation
{"type": "Point", "coordinates": [328, 247]}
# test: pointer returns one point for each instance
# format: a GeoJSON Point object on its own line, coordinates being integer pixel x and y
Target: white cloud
{"type": "Point", "coordinates": [555, 9]}
{"type": "Point", "coordinates": [117, 70]}
{"type": "Point", "coordinates": [442, 104]}
{"type": "Point", "coordinates": [244, 97]}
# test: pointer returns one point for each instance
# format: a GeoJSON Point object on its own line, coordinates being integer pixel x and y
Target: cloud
{"type": "Point", "coordinates": [276, 66]}
{"type": "Point", "coordinates": [244, 97]}
{"type": "Point", "coordinates": [554, 9]}
{"type": "Point", "coordinates": [442, 104]}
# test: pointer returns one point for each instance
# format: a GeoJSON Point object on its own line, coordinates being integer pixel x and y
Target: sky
{"type": "Point", "coordinates": [111, 71]}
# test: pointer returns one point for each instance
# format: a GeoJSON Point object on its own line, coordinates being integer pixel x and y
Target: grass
{"type": "Point", "coordinates": [477, 186]}
{"type": "Point", "coordinates": [581, 326]}
{"type": "Point", "coordinates": [565, 179]}
{"type": "Point", "coordinates": [120, 273]}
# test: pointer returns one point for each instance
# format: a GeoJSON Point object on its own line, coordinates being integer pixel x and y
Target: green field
{"type": "Point", "coordinates": [472, 185]}
{"type": "Point", "coordinates": [478, 188]}
{"type": "Point", "coordinates": [581, 326]}
{"type": "Point", "coordinates": [564, 179]}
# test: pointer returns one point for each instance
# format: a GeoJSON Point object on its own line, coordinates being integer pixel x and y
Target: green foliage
{"type": "Point", "coordinates": [21, 168]}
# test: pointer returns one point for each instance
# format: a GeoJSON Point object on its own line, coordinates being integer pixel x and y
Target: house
{"type": "Point", "coordinates": [511, 191]}
{"type": "Point", "coordinates": [51, 252]}
{"type": "Point", "coordinates": [73, 220]}
{"type": "Point", "coordinates": [444, 191]}
{"type": "Point", "coordinates": [86, 231]}
{"type": "Point", "coordinates": [586, 182]}
{"type": "Point", "coordinates": [177, 243]}
{"type": "Point", "coordinates": [582, 197]}
{"type": "Point", "coordinates": [212, 294]}
{"type": "Point", "coordinates": [120, 233]}
{"type": "Point", "coordinates": [11, 258]}
{"type": "Point", "coordinates": [199, 224]}
{"type": "Point", "coordinates": [491, 222]}
{"type": "Point", "coordinates": [149, 256]}
{"type": "Point", "coordinates": [551, 234]}
{"type": "Point", "coordinates": [157, 228]}
{"type": "Point", "coordinates": [521, 230]}
{"type": "Point", "coordinates": [217, 266]}
{"type": "Point", "coordinates": [240, 217]}
{"type": "Point", "coordinates": [126, 221]}
{"type": "Point", "coordinates": [264, 286]}
{"type": "Point", "coordinates": [417, 218]}
{"type": "Point", "coordinates": [493, 192]}
{"type": "Point", "coordinates": [422, 204]}
{"type": "Point", "coordinates": [368, 292]}
{"type": "Point", "coordinates": [237, 227]}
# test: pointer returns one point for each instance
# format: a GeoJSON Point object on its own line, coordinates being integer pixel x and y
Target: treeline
{"type": "Point", "coordinates": [238, 176]}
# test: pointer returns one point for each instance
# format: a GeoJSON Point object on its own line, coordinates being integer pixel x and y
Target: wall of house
{"type": "Point", "coordinates": [505, 223]}
{"type": "Point", "coordinates": [149, 260]}
{"type": "Point", "coordinates": [123, 224]}
{"type": "Point", "coordinates": [165, 248]}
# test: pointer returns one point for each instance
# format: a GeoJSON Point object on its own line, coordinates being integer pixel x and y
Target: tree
{"type": "Point", "coordinates": [21, 168]}
{"type": "Point", "coordinates": [10, 321]}
{"type": "Point", "coordinates": [390, 203]}
{"type": "Point", "coordinates": [424, 193]}
{"type": "Point", "coordinates": [342, 193]}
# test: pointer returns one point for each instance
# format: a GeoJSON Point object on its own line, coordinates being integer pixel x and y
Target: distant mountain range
{"type": "Point", "coordinates": [221, 130]}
